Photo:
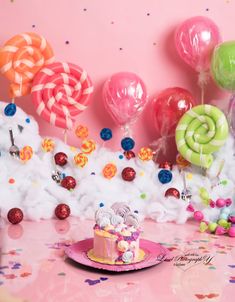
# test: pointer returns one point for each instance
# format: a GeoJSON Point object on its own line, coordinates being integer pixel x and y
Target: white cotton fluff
{"type": "Point", "coordinates": [37, 194]}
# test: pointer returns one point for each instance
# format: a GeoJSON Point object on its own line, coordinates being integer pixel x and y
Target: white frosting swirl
{"type": "Point", "coordinates": [132, 219]}
{"type": "Point", "coordinates": [133, 245]}
{"type": "Point", "coordinates": [121, 208]}
{"type": "Point", "coordinates": [103, 222]}
{"type": "Point", "coordinates": [103, 213]}
{"type": "Point", "coordinates": [123, 246]}
{"type": "Point", "coordinates": [127, 257]}
{"type": "Point", "coordinates": [115, 220]}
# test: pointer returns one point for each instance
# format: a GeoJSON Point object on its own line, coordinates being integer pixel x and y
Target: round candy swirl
{"type": "Point", "coordinates": [132, 219]}
{"type": "Point", "coordinates": [121, 208]}
{"type": "Point", "coordinates": [127, 257]}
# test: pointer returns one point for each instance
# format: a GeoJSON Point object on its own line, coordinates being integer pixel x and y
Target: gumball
{"type": "Point", "coordinates": [26, 153]}
{"type": "Point", "coordinates": [220, 230]}
{"type": "Point", "coordinates": [228, 202]}
{"type": "Point", "coordinates": [81, 131]}
{"type": "Point", "coordinates": [165, 176]}
{"type": "Point", "coordinates": [109, 171]}
{"type": "Point", "coordinates": [224, 223]}
{"type": "Point", "coordinates": [88, 146]}
{"type": "Point", "coordinates": [190, 208]}
{"type": "Point", "coordinates": [48, 145]}
{"type": "Point", "coordinates": [129, 154]}
{"type": "Point", "coordinates": [10, 109]}
{"type": "Point", "coordinates": [212, 226]}
{"type": "Point", "coordinates": [62, 211]}
{"type": "Point", "coordinates": [231, 218]}
{"type": "Point", "coordinates": [15, 215]}
{"type": "Point", "coordinates": [172, 192]}
{"type": "Point", "coordinates": [166, 165]}
{"type": "Point", "coordinates": [220, 203]}
{"type": "Point", "coordinates": [145, 154]}
{"type": "Point", "coordinates": [212, 203]}
{"type": "Point", "coordinates": [127, 143]}
{"type": "Point", "coordinates": [231, 231]}
{"type": "Point", "coordinates": [198, 215]}
{"type": "Point", "coordinates": [61, 159]}
{"type": "Point", "coordinates": [80, 160]}
{"type": "Point", "coordinates": [68, 182]}
{"type": "Point", "coordinates": [128, 174]}
{"type": "Point", "coordinates": [106, 134]}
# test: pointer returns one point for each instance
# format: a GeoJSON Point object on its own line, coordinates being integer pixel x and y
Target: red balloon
{"type": "Point", "coordinates": [68, 182]}
{"type": "Point", "coordinates": [15, 215]}
{"type": "Point", "coordinates": [172, 192]}
{"type": "Point", "coordinates": [129, 154]}
{"type": "Point", "coordinates": [128, 174]}
{"type": "Point", "coordinates": [62, 211]}
{"type": "Point", "coordinates": [61, 159]}
{"type": "Point", "coordinates": [168, 108]}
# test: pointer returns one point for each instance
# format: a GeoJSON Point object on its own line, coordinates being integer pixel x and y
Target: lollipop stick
{"type": "Point", "coordinates": [65, 136]}
{"type": "Point", "coordinates": [202, 93]}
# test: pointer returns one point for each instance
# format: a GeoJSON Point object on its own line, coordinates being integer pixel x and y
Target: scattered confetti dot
{"type": "Point", "coordinates": [143, 196]}
{"type": "Point", "coordinates": [101, 205]}
{"type": "Point", "coordinates": [207, 9]}
{"type": "Point", "coordinates": [154, 43]}
{"type": "Point", "coordinates": [120, 48]}
{"type": "Point", "coordinates": [92, 173]}
{"type": "Point", "coordinates": [66, 42]}
{"type": "Point", "coordinates": [73, 149]}
{"type": "Point", "coordinates": [142, 173]}
{"type": "Point", "coordinates": [27, 120]}
{"type": "Point", "coordinates": [189, 176]}
{"type": "Point", "coordinates": [111, 22]}
{"type": "Point", "coordinates": [33, 26]}
{"type": "Point", "coordinates": [148, 14]}
{"type": "Point", "coordinates": [84, 9]}
{"type": "Point", "coordinates": [136, 211]}
{"type": "Point", "coordinates": [232, 281]}
{"type": "Point", "coordinates": [121, 156]}
{"type": "Point", "coordinates": [103, 278]}
{"type": "Point", "coordinates": [61, 274]}
{"type": "Point", "coordinates": [11, 181]}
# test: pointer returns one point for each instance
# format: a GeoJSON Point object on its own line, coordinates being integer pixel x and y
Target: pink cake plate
{"type": "Point", "coordinates": [155, 253]}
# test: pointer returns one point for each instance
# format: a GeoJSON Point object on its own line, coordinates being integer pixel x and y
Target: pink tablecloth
{"type": "Point", "coordinates": [201, 267]}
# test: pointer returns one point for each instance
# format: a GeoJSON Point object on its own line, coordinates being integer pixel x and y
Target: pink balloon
{"type": "Point", "coordinates": [195, 40]}
{"type": "Point", "coordinates": [124, 96]}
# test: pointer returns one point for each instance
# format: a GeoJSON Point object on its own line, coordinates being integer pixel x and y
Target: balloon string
{"type": "Point", "coordinates": [13, 100]}
{"type": "Point", "coordinates": [184, 180]}
{"type": "Point", "coordinates": [202, 93]}
{"type": "Point", "coordinates": [65, 136]}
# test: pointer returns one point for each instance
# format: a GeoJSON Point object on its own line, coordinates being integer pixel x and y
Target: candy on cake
{"type": "Point", "coordinates": [116, 236]}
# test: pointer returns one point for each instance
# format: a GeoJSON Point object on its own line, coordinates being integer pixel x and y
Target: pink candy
{"type": "Point", "coordinates": [198, 215]}
{"type": "Point", "coordinates": [220, 230]}
{"type": "Point", "coordinates": [231, 231]}
{"type": "Point", "coordinates": [220, 203]}
{"type": "Point", "coordinates": [228, 202]}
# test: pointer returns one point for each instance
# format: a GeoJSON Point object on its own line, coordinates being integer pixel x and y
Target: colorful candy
{"type": "Point", "coordinates": [81, 131]}
{"type": "Point", "coordinates": [10, 109]}
{"type": "Point", "coordinates": [88, 146]}
{"type": "Point", "coordinates": [127, 143]}
{"type": "Point", "coordinates": [198, 215]}
{"type": "Point", "coordinates": [145, 154]}
{"type": "Point", "coordinates": [128, 174]}
{"type": "Point", "coordinates": [129, 154]}
{"type": "Point", "coordinates": [80, 160]}
{"type": "Point", "coordinates": [61, 159]}
{"type": "Point", "coordinates": [68, 182]}
{"type": "Point", "coordinates": [15, 215]}
{"type": "Point", "coordinates": [165, 165]}
{"type": "Point", "coordinates": [109, 171]}
{"type": "Point", "coordinates": [26, 153]}
{"type": "Point", "coordinates": [181, 162]}
{"type": "Point", "coordinates": [106, 134]}
{"type": "Point", "coordinates": [48, 145]}
{"type": "Point", "coordinates": [62, 211]}
{"type": "Point", "coordinates": [165, 176]}
{"type": "Point", "coordinates": [172, 192]}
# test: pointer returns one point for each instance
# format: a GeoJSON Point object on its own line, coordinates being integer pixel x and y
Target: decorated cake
{"type": "Point", "coordinates": [116, 236]}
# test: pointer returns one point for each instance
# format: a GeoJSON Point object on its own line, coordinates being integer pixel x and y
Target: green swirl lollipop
{"type": "Point", "coordinates": [200, 132]}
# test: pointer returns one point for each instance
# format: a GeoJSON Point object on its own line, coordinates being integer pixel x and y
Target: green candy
{"type": "Point", "coordinates": [224, 223]}
{"type": "Point", "coordinates": [203, 227]}
{"type": "Point", "coordinates": [200, 132]}
{"type": "Point", "coordinates": [223, 65]}
{"type": "Point", "coordinates": [212, 226]}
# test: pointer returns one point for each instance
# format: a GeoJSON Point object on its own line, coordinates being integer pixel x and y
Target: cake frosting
{"type": "Point", "coordinates": [116, 236]}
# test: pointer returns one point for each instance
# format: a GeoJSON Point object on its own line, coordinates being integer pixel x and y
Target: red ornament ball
{"type": "Point", "coordinates": [172, 192]}
{"type": "Point", "coordinates": [62, 211]}
{"type": "Point", "coordinates": [129, 154]}
{"type": "Point", "coordinates": [128, 174]}
{"type": "Point", "coordinates": [61, 159]}
{"type": "Point", "coordinates": [166, 165]}
{"type": "Point", "coordinates": [68, 182]}
{"type": "Point", "coordinates": [15, 215]}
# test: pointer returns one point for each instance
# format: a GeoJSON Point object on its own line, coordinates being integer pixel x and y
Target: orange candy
{"type": "Point", "coordinates": [109, 171]}
{"type": "Point", "coordinates": [48, 145]}
{"type": "Point", "coordinates": [80, 160]}
{"type": "Point", "coordinates": [181, 162]}
{"type": "Point", "coordinates": [88, 146]}
{"type": "Point", "coordinates": [26, 153]}
{"type": "Point", "coordinates": [81, 131]}
{"type": "Point", "coordinates": [145, 154]}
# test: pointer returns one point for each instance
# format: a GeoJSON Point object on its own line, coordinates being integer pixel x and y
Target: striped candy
{"type": "Point", "coordinates": [21, 58]}
{"type": "Point", "coordinates": [200, 132]}
{"type": "Point", "coordinates": [60, 92]}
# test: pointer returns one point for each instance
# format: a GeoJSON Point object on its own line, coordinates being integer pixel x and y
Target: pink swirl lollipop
{"type": "Point", "coordinates": [60, 92]}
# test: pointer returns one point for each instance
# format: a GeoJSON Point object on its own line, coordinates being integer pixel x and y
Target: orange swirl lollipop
{"type": "Point", "coordinates": [21, 58]}
{"type": "Point", "coordinates": [88, 146]}
{"type": "Point", "coordinates": [48, 145]}
{"type": "Point", "coordinates": [26, 153]}
{"type": "Point", "coordinates": [109, 171]}
{"type": "Point", "coordinates": [81, 131]}
{"type": "Point", "coordinates": [80, 160]}
{"type": "Point", "coordinates": [145, 154]}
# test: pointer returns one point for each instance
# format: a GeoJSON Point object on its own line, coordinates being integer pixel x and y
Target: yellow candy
{"type": "Point", "coordinates": [145, 154]}
{"type": "Point", "coordinates": [181, 162]}
{"type": "Point", "coordinates": [73, 149]}
{"type": "Point", "coordinates": [26, 153]}
{"type": "Point", "coordinates": [189, 176]}
{"type": "Point", "coordinates": [48, 145]}
{"type": "Point", "coordinates": [88, 146]}
{"type": "Point", "coordinates": [81, 131]}
{"type": "Point", "coordinates": [109, 171]}
{"type": "Point", "coordinates": [80, 160]}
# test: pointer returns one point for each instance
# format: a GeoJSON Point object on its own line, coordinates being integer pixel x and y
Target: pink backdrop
{"type": "Point", "coordinates": [107, 36]}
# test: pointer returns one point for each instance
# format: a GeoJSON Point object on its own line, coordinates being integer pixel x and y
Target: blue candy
{"type": "Point", "coordinates": [223, 216]}
{"type": "Point", "coordinates": [101, 205]}
{"type": "Point", "coordinates": [127, 143]}
{"type": "Point", "coordinates": [10, 109]}
{"type": "Point", "coordinates": [165, 176]}
{"type": "Point", "coordinates": [106, 134]}
{"type": "Point", "coordinates": [225, 211]}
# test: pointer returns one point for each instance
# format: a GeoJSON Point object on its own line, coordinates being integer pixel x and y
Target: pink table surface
{"type": "Point", "coordinates": [33, 266]}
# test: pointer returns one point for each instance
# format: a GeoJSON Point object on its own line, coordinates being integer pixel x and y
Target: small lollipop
{"type": "Point", "coordinates": [106, 134]}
